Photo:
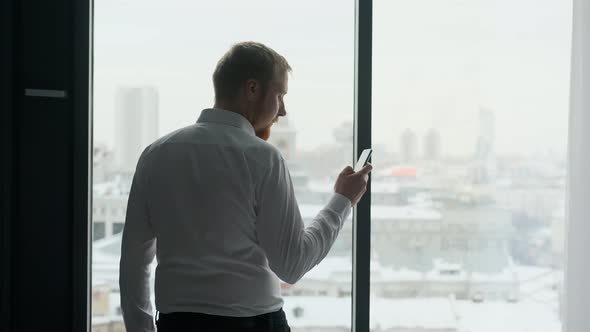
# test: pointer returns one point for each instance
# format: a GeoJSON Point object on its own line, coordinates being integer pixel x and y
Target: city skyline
{"type": "Point", "coordinates": [470, 103]}
{"type": "Point", "coordinates": [521, 71]}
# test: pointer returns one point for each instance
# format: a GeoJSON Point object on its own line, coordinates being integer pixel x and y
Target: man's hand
{"type": "Point", "coordinates": [353, 185]}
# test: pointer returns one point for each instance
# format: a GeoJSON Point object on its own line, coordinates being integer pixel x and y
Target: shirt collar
{"type": "Point", "coordinates": [217, 115]}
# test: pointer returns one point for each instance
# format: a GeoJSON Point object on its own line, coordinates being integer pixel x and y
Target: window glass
{"type": "Point", "coordinates": [153, 66]}
{"type": "Point", "coordinates": [470, 111]}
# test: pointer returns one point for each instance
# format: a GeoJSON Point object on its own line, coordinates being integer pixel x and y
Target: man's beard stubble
{"type": "Point", "coordinates": [264, 133]}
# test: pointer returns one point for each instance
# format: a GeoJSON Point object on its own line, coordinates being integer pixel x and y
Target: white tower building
{"type": "Point", "coordinates": [136, 123]}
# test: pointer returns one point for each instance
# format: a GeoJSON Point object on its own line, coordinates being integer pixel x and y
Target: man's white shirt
{"type": "Point", "coordinates": [215, 205]}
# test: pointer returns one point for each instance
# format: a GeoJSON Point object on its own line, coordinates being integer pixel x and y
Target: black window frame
{"type": "Point", "coordinates": [361, 239]}
{"type": "Point", "coordinates": [78, 31]}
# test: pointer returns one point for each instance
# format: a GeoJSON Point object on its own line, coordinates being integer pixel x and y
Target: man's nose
{"type": "Point", "coordinates": [282, 111]}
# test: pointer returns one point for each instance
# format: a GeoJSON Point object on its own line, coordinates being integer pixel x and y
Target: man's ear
{"type": "Point", "coordinates": [252, 90]}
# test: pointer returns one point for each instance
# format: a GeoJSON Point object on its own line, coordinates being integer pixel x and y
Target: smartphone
{"type": "Point", "coordinates": [365, 155]}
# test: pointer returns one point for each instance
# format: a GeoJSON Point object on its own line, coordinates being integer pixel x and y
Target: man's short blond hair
{"type": "Point", "coordinates": [244, 61]}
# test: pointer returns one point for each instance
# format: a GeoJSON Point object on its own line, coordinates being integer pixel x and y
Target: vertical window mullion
{"type": "Point", "coordinates": [362, 140]}
{"type": "Point", "coordinates": [81, 88]}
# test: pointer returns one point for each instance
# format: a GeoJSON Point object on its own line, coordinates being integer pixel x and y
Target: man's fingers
{"type": "Point", "coordinates": [347, 170]}
{"type": "Point", "coordinates": [365, 170]}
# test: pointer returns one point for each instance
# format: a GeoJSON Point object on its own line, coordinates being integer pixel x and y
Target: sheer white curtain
{"type": "Point", "coordinates": [577, 301]}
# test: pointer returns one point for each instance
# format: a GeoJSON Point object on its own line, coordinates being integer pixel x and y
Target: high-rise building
{"type": "Point", "coordinates": [484, 150]}
{"type": "Point", "coordinates": [283, 136]}
{"type": "Point", "coordinates": [432, 145]}
{"type": "Point", "coordinates": [344, 134]}
{"type": "Point", "coordinates": [409, 146]}
{"type": "Point", "coordinates": [486, 136]}
{"type": "Point", "coordinates": [136, 123]}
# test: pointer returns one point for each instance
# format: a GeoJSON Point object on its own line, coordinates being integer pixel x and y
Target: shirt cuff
{"type": "Point", "coordinates": [341, 205]}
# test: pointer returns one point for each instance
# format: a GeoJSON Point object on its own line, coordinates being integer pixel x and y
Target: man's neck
{"type": "Point", "coordinates": [262, 133]}
{"type": "Point", "coordinates": [231, 107]}
{"type": "Point", "coordinates": [227, 107]}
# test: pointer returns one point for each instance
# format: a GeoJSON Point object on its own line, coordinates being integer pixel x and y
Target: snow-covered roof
{"type": "Point", "coordinates": [378, 186]}
{"type": "Point", "coordinates": [385, 313]}
{"type": "Point", "coordinates": [309, 211]}
{"type": "Point", "coordinates": [535, 312]}
{"type": "Point", "coordinates": [427, 313]}
{"type": "Point", "coordinates": [522, 316]}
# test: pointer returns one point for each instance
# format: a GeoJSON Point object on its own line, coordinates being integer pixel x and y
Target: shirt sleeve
{"type": "Point", "coordinates": [137, 252]}
{"type": "Point", "coordinates": [291, 248]}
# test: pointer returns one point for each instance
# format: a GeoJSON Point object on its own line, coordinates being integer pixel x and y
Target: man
{"type": "Point", "coordinates": [219, 202]}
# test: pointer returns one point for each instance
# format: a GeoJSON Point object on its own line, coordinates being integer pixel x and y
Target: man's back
{"type": "Point", "coordinates": [220, 203]}
{"type": "Point", "coordinates": [200, 186]}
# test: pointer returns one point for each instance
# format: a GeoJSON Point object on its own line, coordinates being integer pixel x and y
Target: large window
{"type": "Point", "coordinates": [469, 130]}
{"type": "Point", "coordinates": [470, 108]}
{"type": "Point", "coordinates": [153, 62]}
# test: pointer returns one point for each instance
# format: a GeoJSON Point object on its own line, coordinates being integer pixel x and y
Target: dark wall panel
{"type": "Point", "coordinates": [45, 159]}
{"type": "Point", "coordinates": [42, 236]}
{"type": "Point", "coordinates": [6, 155]}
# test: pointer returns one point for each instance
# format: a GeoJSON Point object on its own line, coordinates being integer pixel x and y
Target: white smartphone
{"type": "Point", "coordinates": [365, 155]}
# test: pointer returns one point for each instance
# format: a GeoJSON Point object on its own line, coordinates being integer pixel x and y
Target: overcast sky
{"type": "Point", "coordinates": [436, 63]}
